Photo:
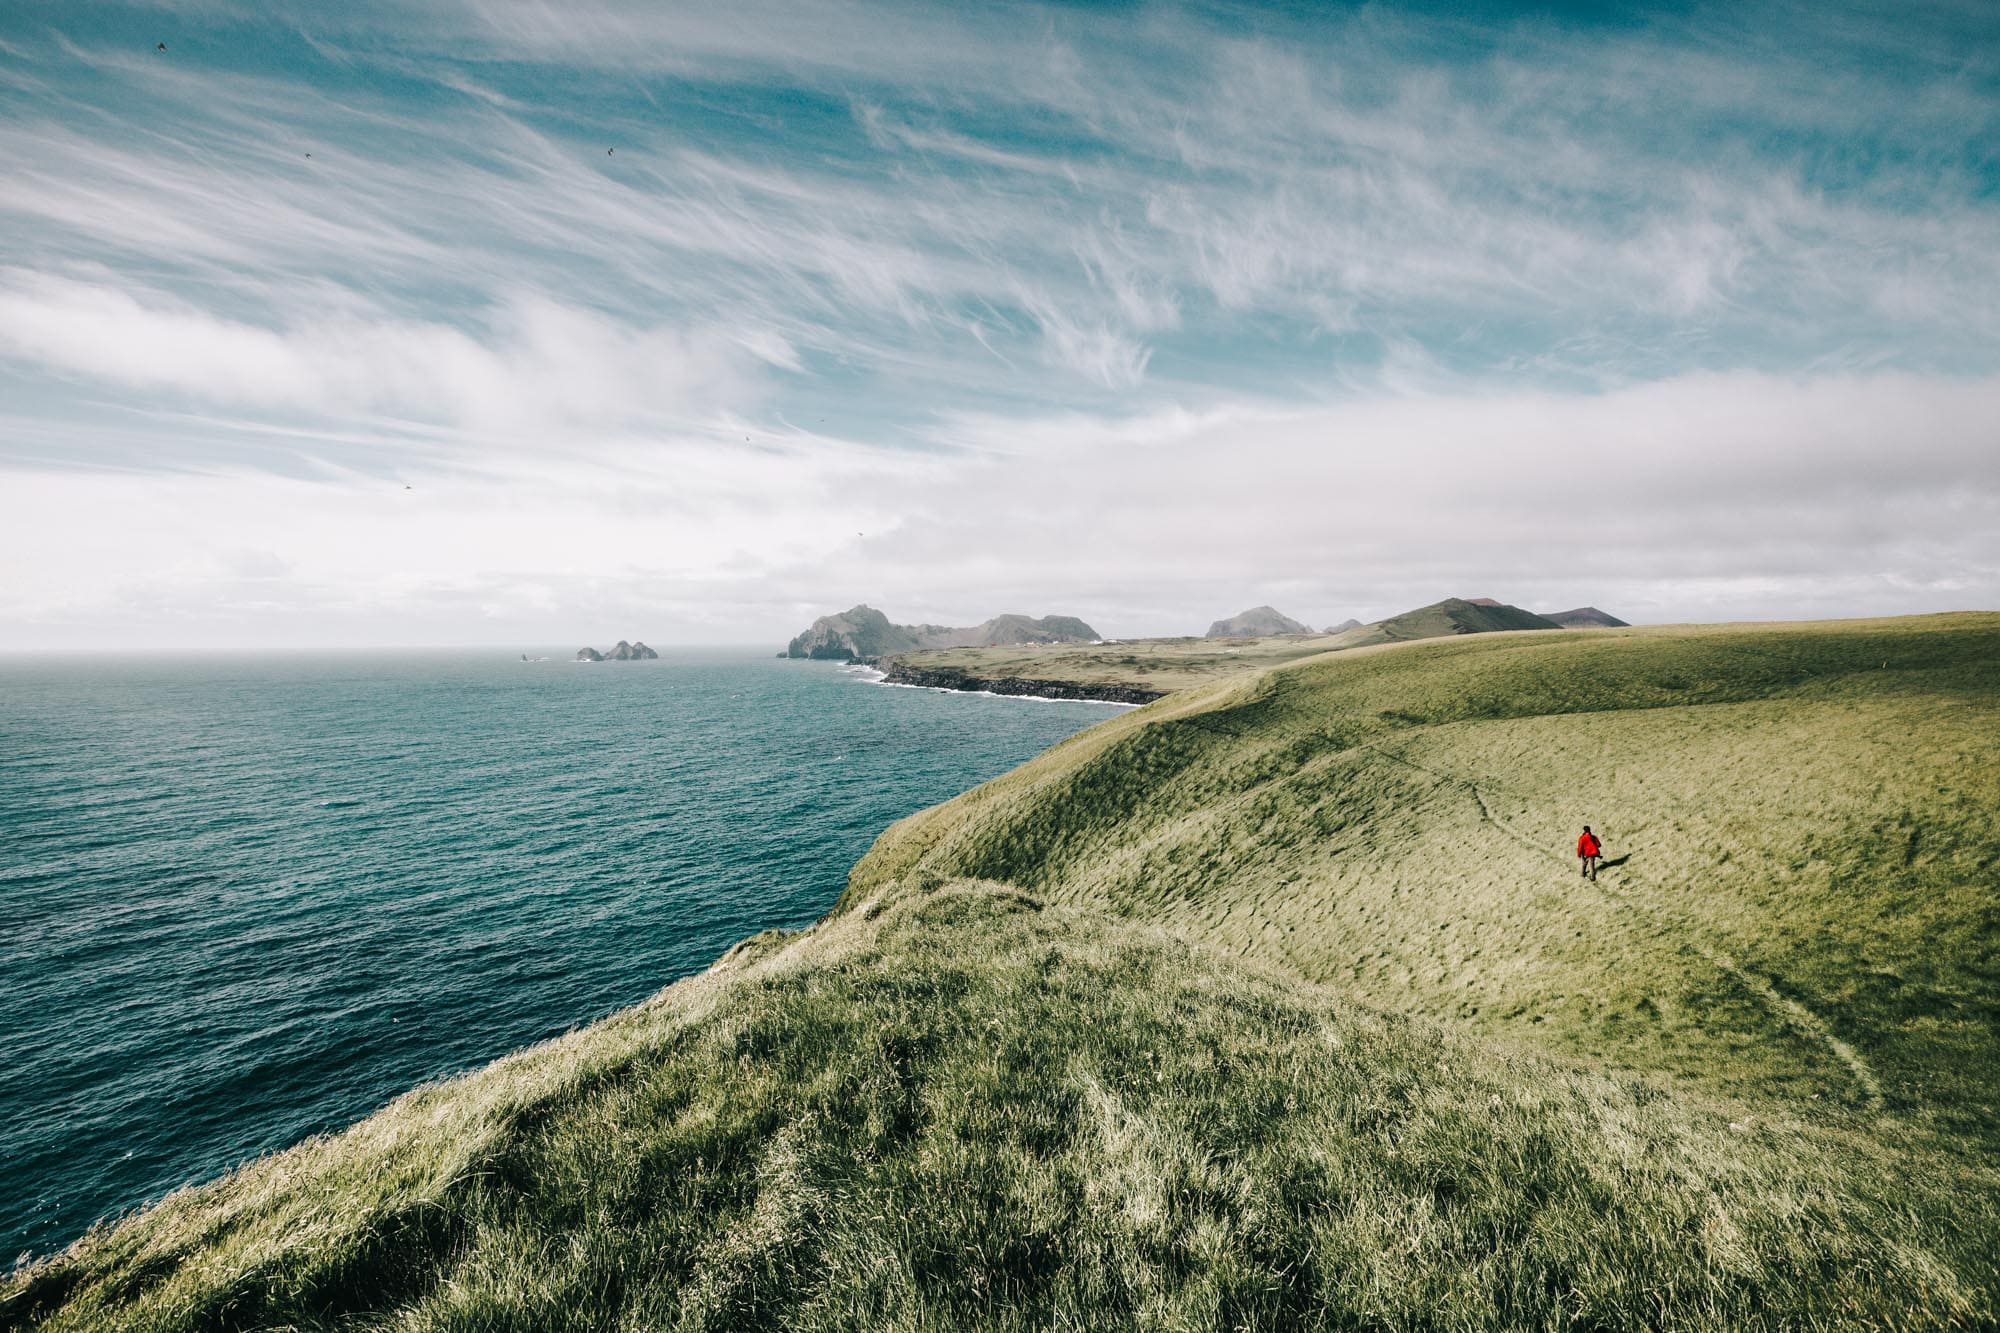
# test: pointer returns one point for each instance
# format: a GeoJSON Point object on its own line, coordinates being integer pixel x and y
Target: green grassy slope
{"type": "Point", "coordinates": [969, 1109]}
{"type": "Point", "coordinates": [1803, 825]}
{"type": "Point", "coordinates": [1277, 1003]}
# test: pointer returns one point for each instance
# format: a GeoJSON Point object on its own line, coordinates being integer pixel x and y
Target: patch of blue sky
{"type": "Point", "coordinates": [1173, 198]}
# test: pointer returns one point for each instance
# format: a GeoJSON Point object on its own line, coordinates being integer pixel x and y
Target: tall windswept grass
{"type": "Point", "coordinates": [971, 1110]}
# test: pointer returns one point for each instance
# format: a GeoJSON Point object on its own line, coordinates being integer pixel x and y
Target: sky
{"type": "Point", "coordinates": [508, 322]}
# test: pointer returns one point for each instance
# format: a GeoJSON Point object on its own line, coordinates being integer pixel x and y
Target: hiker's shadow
{"type": "Point", "coordinates": [1614, 862]}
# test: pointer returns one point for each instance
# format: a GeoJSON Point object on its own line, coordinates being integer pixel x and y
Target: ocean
{"type": "Point", "coordinates": [244, 900]}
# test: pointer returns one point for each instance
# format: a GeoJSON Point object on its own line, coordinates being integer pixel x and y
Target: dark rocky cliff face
{"type": "Point", "coordinates": [861, 632]}
{"type": "Point", "coordinates": [951, 679]}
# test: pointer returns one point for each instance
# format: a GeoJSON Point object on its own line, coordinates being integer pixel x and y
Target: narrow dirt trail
{"type": "Point", "coordinates": [1789, 1012]}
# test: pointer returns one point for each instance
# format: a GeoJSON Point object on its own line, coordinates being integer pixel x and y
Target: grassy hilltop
{"type": "Point", "coordinates": [1277, 1003]}
{"type": "Point", "coordinates": [1453, 615]}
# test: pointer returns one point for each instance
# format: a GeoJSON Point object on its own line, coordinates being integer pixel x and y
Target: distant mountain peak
{"type": "Point", "coordinates": [1585, 617]}
{"type": "Point", "coordinates": [1453, 615]}
{"type": "Point", "coordinates": [1255, 623]}
{"type": "Point", "coordinates": [863, 633]}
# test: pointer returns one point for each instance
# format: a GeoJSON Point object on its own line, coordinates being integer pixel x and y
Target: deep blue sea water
{"type": "Point", "coordinates": [244, 900]}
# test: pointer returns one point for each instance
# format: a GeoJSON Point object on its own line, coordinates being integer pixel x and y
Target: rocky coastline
{"type": "Point", "coordinates": [895, 673]}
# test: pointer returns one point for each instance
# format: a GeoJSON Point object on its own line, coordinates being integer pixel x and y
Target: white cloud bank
{"type": "Point", "coordinates": [1709, 496]}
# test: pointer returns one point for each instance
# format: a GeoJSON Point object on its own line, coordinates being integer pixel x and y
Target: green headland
{"type": "Point", "coordinates": [1150, 667]}
{"type": "Point", "coordinates": [1277, 1003]}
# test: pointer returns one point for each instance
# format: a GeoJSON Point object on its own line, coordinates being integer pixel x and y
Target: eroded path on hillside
{"type": "Point", "coordinates": [1789, 1012]}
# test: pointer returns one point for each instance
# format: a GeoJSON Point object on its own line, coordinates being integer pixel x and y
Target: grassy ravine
{"type": "Point", "coordinates": [1112, 1042]}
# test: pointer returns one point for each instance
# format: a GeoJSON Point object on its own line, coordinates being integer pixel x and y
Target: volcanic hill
{"type": "Point", "coordinates": [863, 634]}
{"type": "Point", "coordinates": [1257, 621]}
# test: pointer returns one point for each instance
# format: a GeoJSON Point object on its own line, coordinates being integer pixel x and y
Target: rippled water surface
{"type": "Point", "coordinates": [243, 900]}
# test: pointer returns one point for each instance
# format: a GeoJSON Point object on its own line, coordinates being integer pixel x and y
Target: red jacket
{"type": "Point", "coordinates": [1588, 845]}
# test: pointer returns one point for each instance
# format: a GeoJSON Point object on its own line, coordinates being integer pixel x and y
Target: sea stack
{"type": "Point", "coordinates": [624, 652]}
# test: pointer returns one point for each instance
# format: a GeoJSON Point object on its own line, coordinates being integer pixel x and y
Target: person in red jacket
{"type": "Point", "coordinates": [1588, 849]}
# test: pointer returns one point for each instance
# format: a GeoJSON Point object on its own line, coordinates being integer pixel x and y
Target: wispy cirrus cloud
{"type": "Point", "coordinates": [534, 365]}
{"type": "Point", "coordinates": [821, 233]}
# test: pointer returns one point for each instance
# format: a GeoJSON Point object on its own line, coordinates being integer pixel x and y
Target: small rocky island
{"type": "Point", "coordinates": [624, 652]}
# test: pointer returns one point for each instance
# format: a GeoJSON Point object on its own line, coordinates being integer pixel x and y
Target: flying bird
{"type": "Point", "coordinates": [609, 151]}
{"type": "Point", "coordinates": [159, 46]}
